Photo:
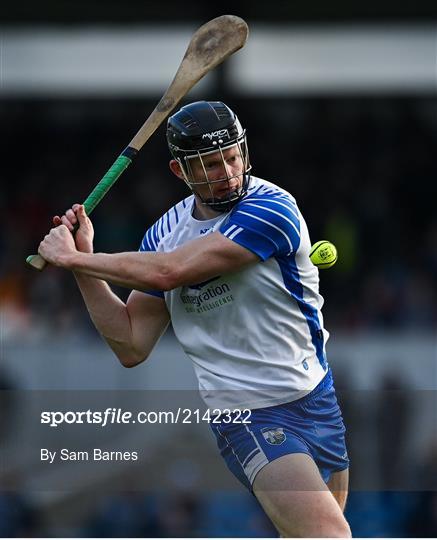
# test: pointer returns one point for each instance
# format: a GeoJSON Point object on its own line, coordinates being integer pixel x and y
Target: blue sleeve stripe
{"type": "Point", "coordinates": [150, 239]}
{"type": "Point", "coordinates": [274, 201]}
{"type": "Point", "coordinates": [187, 200]}
{"type": "Point", "coordinates": [168, 222]}
{"type": "Point", "coordinates": [156, 229]}
{"type": "Point", "coordinates": [256, 190]}
{"type": "Point", "coordinates": [155, 233]}
{"type": "Point", "coordinates": [231, 228]}
{"type": "Point", "coordinates": [278, 214]}
{"type": "Point", "coordinates": [143, 246]}
{"type": "Point", "coordinates": [162, 226]}
{"type": "Point", "coordinates": [270, 225]}
{"type": "Point", "coordinates": [246, 240]}
{"type": "Point", "coordinates": [291, 201]}
{"type": "Point", "coordinates": [146, 239]}
{"type": "Point", "coordinates": [176, 214]}
{"type": "Point", "coordinates": [234, 234]}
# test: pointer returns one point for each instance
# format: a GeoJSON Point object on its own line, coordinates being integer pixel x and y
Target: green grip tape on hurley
{"type": "Point", "coordinates": [97, 194]}
{"type": "Point", "coordinates": [106, 183]}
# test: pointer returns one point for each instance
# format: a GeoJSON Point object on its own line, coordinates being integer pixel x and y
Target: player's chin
{"type": "Point", "coordinates": [228, 192]}
{"type": "Point", "coordinates": [227, 195]}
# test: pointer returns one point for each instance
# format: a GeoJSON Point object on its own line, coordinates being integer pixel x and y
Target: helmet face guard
{"type": "Point", "coordinates": [219, 204]}
{"type": "Point", "coordinates": [202, 129]}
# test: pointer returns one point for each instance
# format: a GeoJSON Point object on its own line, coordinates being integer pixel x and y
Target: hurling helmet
{"type": "Point", "coordinates": [203, 128]}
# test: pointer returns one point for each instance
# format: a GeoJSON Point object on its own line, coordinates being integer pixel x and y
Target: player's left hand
{"type": "Point", "coordinates": [57, 246]}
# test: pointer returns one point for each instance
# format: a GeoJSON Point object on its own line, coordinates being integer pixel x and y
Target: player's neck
{"type": "Point", "coordinates": [203, 212]}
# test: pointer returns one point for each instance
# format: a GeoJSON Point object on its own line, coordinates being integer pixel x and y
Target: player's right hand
{"type": "Point", "coordinates": [85, 233]}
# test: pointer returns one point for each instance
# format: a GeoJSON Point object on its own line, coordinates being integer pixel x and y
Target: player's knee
{"type": "Point", "coordinates": [338, 529]}
{"type": "Point", "coordinates": [328, 528]}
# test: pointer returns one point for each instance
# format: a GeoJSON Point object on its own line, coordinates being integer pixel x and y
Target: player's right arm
{"type": "Point", "coordinates": [131, 329]}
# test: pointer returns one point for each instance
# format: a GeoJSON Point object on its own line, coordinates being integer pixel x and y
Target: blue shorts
{"type": "Point", "coordinates": [311, 425]}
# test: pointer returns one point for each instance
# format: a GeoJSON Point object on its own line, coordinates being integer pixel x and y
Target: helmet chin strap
{"type": "Point", "coordinates": [226, 204]}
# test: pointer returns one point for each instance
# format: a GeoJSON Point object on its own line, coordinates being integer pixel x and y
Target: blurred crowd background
{"type": "Point", "coordinates": [362, 167]}
{"type": "Point", "coordinates": [362, 170]}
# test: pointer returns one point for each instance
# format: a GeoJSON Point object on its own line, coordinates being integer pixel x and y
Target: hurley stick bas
{"type": "Point", "coordinates": [210, 45]}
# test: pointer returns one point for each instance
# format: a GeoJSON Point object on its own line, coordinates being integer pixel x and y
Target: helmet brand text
{"type": "Point", "coordinates": [214, 134]}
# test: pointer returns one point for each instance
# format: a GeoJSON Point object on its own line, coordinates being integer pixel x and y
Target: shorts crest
{"type": "Point", "coordinates": [274, 435]}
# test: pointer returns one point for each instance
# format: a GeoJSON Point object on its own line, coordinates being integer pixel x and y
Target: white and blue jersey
{"type": "Point", "coordinates": [256, 336]}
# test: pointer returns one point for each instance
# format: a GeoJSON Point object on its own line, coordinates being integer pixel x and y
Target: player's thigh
{"type": "Point", "coordinates": [297, 500]}
{"type": "Point", "coordinates": [339, 485]}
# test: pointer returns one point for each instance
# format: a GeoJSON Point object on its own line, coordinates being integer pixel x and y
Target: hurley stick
{"type": "Point", "coordinates": [210, 45]}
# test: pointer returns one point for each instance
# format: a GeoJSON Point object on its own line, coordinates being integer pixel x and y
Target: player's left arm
{"type": "Point", "coordinates": [194, 262]}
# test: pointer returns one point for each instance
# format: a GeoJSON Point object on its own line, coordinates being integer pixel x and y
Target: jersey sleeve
{"type": "Point", "coordinates": [149, 243]}
{"type": "Point", "coordinates": [267, 226]}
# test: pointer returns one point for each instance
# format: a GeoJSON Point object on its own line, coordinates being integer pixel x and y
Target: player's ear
{"type": "Point", "coordinates": [176, 168]}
